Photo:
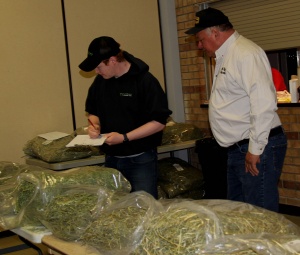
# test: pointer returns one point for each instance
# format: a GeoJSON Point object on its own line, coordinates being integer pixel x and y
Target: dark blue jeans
{"type": "Point", "coordinates": [261, 190]}
{"type": "Point", "coordinates": [141, 171]}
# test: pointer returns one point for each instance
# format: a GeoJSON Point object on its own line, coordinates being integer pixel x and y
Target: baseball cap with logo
{"type": "Point", "coordinates": [208, 18]}
{"type": "Point", "coordinates": [100, 48]}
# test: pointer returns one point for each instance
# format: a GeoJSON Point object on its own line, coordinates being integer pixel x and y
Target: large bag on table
{"type": "Point", "coordinates": [34, 189]}
{"type": "Point", "coordinates": [177, 177]}
{"type": "Point", "coordinates": [217, 227]}
{"type": "Point", "coordinates": [56, 150]}
{"type": "Point", "coordinates": [180, 132]}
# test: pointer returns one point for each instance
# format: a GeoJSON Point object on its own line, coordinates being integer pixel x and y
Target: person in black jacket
{"type": "Point", "coordinates": [126, 104]}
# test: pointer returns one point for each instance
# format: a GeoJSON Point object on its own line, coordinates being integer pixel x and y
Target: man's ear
{"type": "Point", "coordinates": [216, 32]}
{"type": "Point", "coordinates": [113, 59]}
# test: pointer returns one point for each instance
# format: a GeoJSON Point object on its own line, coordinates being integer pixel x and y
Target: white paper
{"type": "Point", "coordinates": [53, 135]}
{"type": "Point", "coordinates": [86, 140]}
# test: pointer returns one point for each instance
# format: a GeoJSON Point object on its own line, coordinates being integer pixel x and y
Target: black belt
{"type": "Point", "coordinates": [273, 132]}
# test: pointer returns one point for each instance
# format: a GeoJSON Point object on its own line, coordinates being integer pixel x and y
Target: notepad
{"type": "Point", "coordinates": [53, 135]}
{"type": "Point", "coordinates": [86, 140]}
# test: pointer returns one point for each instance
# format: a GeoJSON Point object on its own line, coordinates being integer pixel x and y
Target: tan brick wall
{"type": "Point", "coordinates": [194, 91]}
{"type": "Point", "coordinates": [289, 185]}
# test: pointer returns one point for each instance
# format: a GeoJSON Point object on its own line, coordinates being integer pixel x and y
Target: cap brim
{"type": "Point", "coordinates": [89, 64]}
{"type": "Point", "coordinates": [194, 30]}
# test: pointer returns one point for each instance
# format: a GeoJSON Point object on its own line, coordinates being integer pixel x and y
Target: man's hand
{"type": "Point", "coordinates": [250, 163]}
{"type": "Point", "coordinates": [94, 131]}
{"type": "Point", "coordinates": [114, 138]}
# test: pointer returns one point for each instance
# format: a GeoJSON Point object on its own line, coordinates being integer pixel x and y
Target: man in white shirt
{"type": "Point", "coordinates": [242, 110]}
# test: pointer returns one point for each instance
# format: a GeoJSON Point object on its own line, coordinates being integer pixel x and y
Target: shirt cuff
{"type": "Point", "coordinates": [256, 148]}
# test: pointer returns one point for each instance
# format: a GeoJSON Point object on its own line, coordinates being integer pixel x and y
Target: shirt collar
{"type": "Point", "coordinates": [224, 47]}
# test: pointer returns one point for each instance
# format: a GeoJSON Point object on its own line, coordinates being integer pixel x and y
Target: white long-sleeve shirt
{"type": "Point", "coordinates": [243, 100]}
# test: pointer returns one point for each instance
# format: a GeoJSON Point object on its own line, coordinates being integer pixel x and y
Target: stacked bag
{"type": "Point", "coordinates": [179, 179]}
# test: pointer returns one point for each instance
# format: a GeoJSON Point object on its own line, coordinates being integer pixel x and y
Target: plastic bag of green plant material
{"type": "Point", "coordinates": [47, 182]}
{"type": "Point", "coordinates": [250, 228]}
{"type": "Point", "coordinates": [177, 177]}
{"type": "Point", "coordinates": [180, 132]}
{"type": "Point", "coordinates": [11, 215]}
{"type": "Point", "coordinates": [120, 227]}
{"type": "Point", "coordinates": [242, 218]}
{"type": "Point", "coordinates": [182, 228]}
{"type": "Point", "coordinates": [9, 171]}
{"type": "Point", "coordinates": [68, 214]}
{"type": "Point", "coordinates": [254, 244]}
{"type": "Point", "coordinates": [217, 227]}
{"type": "Point", "coordinates": [56, 150]}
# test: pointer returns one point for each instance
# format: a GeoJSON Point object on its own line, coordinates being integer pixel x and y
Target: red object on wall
{"type": "Point", "coordinates": [278, 80]}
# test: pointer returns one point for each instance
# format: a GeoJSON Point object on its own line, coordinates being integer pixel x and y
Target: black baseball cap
{"type": "Point", "coordinates": [208, 18]}
{"type": "Point", "coordinates": [100, 48]}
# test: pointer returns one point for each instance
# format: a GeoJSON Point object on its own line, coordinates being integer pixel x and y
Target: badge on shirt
{"type": "Point", "coordinates": [223, 70]}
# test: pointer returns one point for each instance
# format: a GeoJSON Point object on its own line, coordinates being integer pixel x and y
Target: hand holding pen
{"type": "Point", "coordinates": [93, 129]}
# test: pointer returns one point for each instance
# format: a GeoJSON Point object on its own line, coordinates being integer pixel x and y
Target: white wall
{"type": "Point", "coordinates": [133, 23]}
{"type": "Point", "coordinates": [34, 94]}
{"type": "Point", "coordinates": [34, 82]}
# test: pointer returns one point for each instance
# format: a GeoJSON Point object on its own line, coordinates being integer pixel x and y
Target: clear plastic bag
{"type": "Point", "coordinates": [242, 218]}
{"type": "Point", "coordinates": [218, 227]}
{"type": "Point", "coordinates": [68, 213]}
{"type": "Point", "coordinates": [181, 228]}
{"type": "Point", "coordinates": [249, 228]}
{"type": "Point", "coordinates": [11, 213]}
{"type": "Point", "coordinates": [102, 177]}
{"type": "Point", "coordinates": [35, 189]}
{"type": "Point", "coordinates": [9, 171]}
{"type": "Point", "coordinates": [260, 243]}
{"type": "Point", "coordinates": [120, 227]}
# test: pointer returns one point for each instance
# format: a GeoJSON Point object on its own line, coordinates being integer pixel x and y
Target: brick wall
{"type": "Point", "coordinates": [194, 91]}
{"type": "Point", "coordinates": [289, 185]}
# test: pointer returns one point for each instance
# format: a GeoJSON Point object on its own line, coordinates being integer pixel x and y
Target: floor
{"type": "Point", "coordinates": [14, 240]}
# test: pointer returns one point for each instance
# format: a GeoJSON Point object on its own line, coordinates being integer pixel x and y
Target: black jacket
{"type": "Point", "coordinates": [126, 103]}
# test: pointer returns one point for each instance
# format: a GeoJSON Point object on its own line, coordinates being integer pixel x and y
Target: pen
{"type": "Point", "coordinates": [92, 124]}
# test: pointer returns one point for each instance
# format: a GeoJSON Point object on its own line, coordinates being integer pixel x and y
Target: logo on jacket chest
{"type": "Point", "coordinates": [125, 94]}
{"type": "Point", "coordinates": [223, 70]}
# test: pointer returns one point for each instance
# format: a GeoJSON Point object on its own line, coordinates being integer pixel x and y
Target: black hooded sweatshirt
{"type": "Point", "coordinates": [126, 103]}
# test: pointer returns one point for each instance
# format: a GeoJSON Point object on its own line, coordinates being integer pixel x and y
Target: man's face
{"type": "Point", "coordinates": [105, 69]}
{"type": "Point", "coordinates": [206, 41]}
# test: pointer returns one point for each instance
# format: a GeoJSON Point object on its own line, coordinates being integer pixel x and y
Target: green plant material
{"type": "Point", "coordinates": [114, 229]}
{"type": "Point", "coordinates": [46, 183]}
{"type": "Point", "coordinates": [176, 231]}
{"type": "Point", "coordinates": [177, 177]}
{"type": "Point", "coordinates": [9, 171]}
{"type": "Point", "coordinates": [190, 227]}
{"type": "Point", "coordinates": [11, 212]}
{"type": "Point", "coordinates": [179, 231]}
{"type": "Point", "coordinates": [119, 228]}
{"type": "Point", "coordinates": [233, 223]}
{"type": "Point", "coordinates": [181, 132]}
{"type": "Point", "coordinates": [67, 215]}
{"type": "Point", "coordinates": [242, 218]}
{"type": "Point", "coordinates": [26, 192]}
{"type": "Point", "coordinates": [193, 194]}
{"type": "Point", "coordinates": [56, 150]}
